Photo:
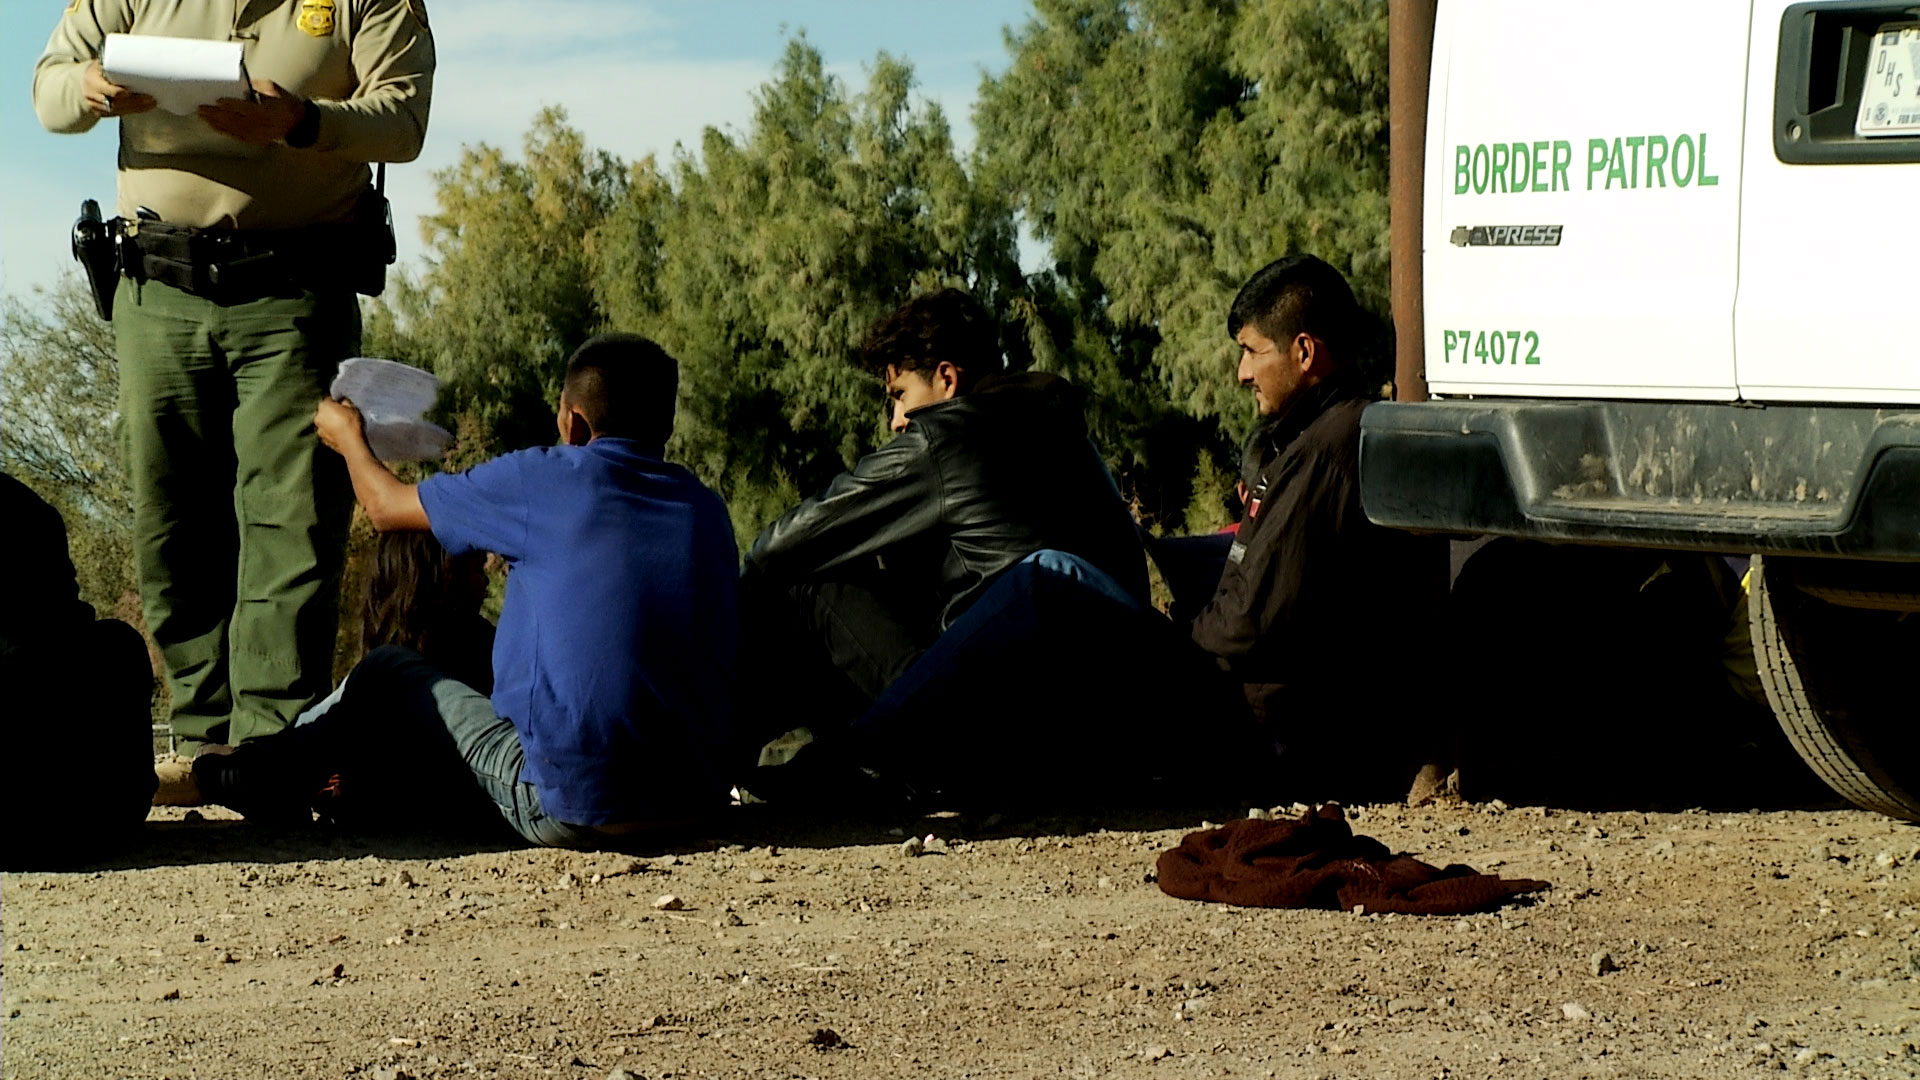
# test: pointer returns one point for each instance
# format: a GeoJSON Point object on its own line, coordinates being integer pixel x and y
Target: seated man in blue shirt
{"type": "Point", "coordinates": [616, 642]}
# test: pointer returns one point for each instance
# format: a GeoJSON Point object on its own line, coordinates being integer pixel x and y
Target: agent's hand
{"type": "Point", "coordinates": [339, 425]}
{"type": "Point", "coordinates": [108, 98]}
{"type": "Point", "coordinates": [261, 122]}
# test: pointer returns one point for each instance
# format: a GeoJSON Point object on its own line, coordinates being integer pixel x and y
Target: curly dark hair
{"type": "Point", "coordinates": [947, 326]}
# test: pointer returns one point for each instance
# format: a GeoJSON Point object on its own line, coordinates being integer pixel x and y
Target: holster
{"type": "Point", "coordinates": [96, 247]}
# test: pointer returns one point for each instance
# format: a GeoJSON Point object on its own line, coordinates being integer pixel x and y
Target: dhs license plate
{"type": "Point", "coordinates": [1890, 100]}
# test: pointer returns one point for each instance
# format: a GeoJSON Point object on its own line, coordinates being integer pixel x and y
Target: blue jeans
{"type": "Point", "coordinates": [1055, 676]}
{"type": "Point", "coordinates": [436, 740]}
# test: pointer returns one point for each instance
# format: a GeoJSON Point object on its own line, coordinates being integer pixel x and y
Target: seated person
{"type": "Point", "coordinates": [418, 596]}
{"type": "Point", "coordinates": [1311, 589]}
{"type": "Point", "coordinates": [80, 688]}
{"type": "Point", "coordinates": [421, 596]}
{"type": "Point", "coordinates": [987, 539]}
{"type": "Point", "coordinates": [616, 641]}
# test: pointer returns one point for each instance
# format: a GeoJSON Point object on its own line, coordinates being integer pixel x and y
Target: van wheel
{"type": "Point", "coordinates": [1839, 679]}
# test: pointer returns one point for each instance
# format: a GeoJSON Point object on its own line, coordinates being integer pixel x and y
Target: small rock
{"type": "Point", "coordinates": [1155, 1052]}
{"type": "Point", "coordinates": [729, 919]}
{"type": "Point", "coordinates": [403, 879]}
{"type": "Point", "coordinates": [934, 845]}
{"type": "Point", "coordinates": [1359, 909]}
{"type": "Point", "coordinates": [669, 902]}
{"type": "Point", "coordinates": [171, 995]}
{"type": "Point", "coordinates": [1257, 814]}
{"type": "Point", "coordinates": [1885, 860]}
{"type": "Point", "coordinates": [199, 937]}
{"type": "Point", "coordinates": [666, 862]}
{"type": "Point", "coordinates": [1600, 963]}
{"type": "Point", "coordinates": [1104, 883]}
{"type": "Point", "coordinates": [826, 1039]}
{"type": "Point", "coordinates": [1661, 850]}
{"type": "Point", "coordinates": [912, 846]}
{"type": "Point", "coordinates": [1596, 833]}
{"type": "Point", "coordinates": [622, 1074]}
{"type": "Point", "coordinates": [759, 877]}
{"type": "Point", "coordinates": [1497, 806]}
{"type": "Point", "coordinates": [1573, 1010]}
{"type": "Point", "coordinates": [566, 881]}
{"type": "Point", "coordinates": [1405, 1005]}
{"type": "Point", "coordinates": [1819, 853]}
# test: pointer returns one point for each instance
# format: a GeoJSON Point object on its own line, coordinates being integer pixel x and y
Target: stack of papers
{"type": "Point", "coordinates": [180, 74]}
{"type": "Point", "coordinates": [393, 399]}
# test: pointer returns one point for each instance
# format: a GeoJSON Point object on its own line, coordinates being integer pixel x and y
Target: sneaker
{"type": "Point", "coordinates": [258, 781]}
{"type": "Point", "coordinates": [176, 784]}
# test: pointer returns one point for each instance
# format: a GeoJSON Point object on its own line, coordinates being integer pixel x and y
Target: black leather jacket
{"type": "Point", "coordinates": [973, 485]}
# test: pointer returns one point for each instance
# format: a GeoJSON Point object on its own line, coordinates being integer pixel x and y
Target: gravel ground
{"type": "Point", "coordinates": [1687, 945]}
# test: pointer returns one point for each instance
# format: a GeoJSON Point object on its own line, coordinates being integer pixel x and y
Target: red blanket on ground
{"type": "Point", "coordinates": [1317, 862]}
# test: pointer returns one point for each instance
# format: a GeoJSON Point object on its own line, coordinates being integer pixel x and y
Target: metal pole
{"type": "Point", "coordinates": [1409, 60]}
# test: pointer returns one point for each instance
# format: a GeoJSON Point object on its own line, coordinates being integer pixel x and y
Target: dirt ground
{"type": "Point", "coordinates": [1695, 944]}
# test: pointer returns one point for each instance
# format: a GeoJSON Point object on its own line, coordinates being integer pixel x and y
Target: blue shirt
{"type": "Point", "coordinates": [617, 638]}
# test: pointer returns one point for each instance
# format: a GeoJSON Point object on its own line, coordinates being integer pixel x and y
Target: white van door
{"type": "Point", "coordinates": [1829, 300]}
{"type": "Point", "coordinates": [1583, 198]}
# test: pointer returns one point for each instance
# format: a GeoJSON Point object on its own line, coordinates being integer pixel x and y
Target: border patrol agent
{"type": "Point", "coordinates": [245, 231]}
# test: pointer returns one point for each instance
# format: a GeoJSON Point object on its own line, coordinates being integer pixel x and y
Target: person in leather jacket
{"type": "Point", "coordinates": [845, 592]}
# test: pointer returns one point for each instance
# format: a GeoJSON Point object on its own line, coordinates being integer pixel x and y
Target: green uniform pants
{"type": "Point", "coordinates": [239, 514]}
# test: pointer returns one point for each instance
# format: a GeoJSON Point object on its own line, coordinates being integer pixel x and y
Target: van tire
{"type": "Point", "coordinates": [1830, 673]}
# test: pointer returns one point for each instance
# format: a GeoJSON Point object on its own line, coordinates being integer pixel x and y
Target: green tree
{"type": "Point", "coordinates": [58, 389]}
{"type": "Point", "coordinates": [507, 291]}
{"type": "Point", "coordinates": [773, 252]}
{"type": "Point", "coordinates": [1166, 149]}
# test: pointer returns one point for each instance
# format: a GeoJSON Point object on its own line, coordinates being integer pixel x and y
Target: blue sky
{"type": "Point", "coordinates": [636, 76]}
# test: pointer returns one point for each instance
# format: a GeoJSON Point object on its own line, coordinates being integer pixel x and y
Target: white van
{"type": "Point", "coordinates": [1672, 299]}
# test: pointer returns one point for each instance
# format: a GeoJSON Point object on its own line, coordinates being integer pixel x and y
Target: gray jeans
{"type": "Point", "coordinates": [416, 714]}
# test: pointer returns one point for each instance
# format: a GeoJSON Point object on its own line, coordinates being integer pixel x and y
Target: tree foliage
{"type": "Point", "coordinates": [59, 387]}
{"type": "Point", "coordinates": [778, 252]}
{"type": "Point", "coordinates": [1166, 149]}
{"type": "Point", "coordinates": [1163, 150]}
{"type": "Point", "coordinates": [760, 263]}
{"type": "Point", "coordinates": [506, 293]}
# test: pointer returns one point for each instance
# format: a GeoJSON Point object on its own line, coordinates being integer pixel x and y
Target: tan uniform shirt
{"type": "Point", "coordinates": [366, 64]}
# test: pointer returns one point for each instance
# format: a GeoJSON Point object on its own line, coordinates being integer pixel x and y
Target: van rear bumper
{"type": "Point", "coordinates": [1831, 480]}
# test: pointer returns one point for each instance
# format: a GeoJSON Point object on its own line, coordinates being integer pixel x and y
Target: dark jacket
{"type": "Point", "coordinates": [1314, 594]}
{"type": "Point", "coordinates": [973, 485]}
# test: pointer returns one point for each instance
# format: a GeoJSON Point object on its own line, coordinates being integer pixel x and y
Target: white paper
{"type": "Point", "coordinates": [181, 74]}
{"type": "Point", "coordinates": [392, 398]}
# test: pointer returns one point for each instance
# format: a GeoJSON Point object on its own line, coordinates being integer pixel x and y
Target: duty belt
{"type": "Point", "coordinates": [234, 265]}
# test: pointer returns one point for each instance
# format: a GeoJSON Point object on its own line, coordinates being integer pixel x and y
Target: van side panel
{"type": "Point", "coordinates": [1583, 198]}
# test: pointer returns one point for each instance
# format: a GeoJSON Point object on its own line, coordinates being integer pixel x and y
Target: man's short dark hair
{"type": "Point", "coordinates": [625, 386]}
{"type": "Point", "coordinates": [946, 326]}
{"type": "Point", "coordinates": [1299, 294]}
